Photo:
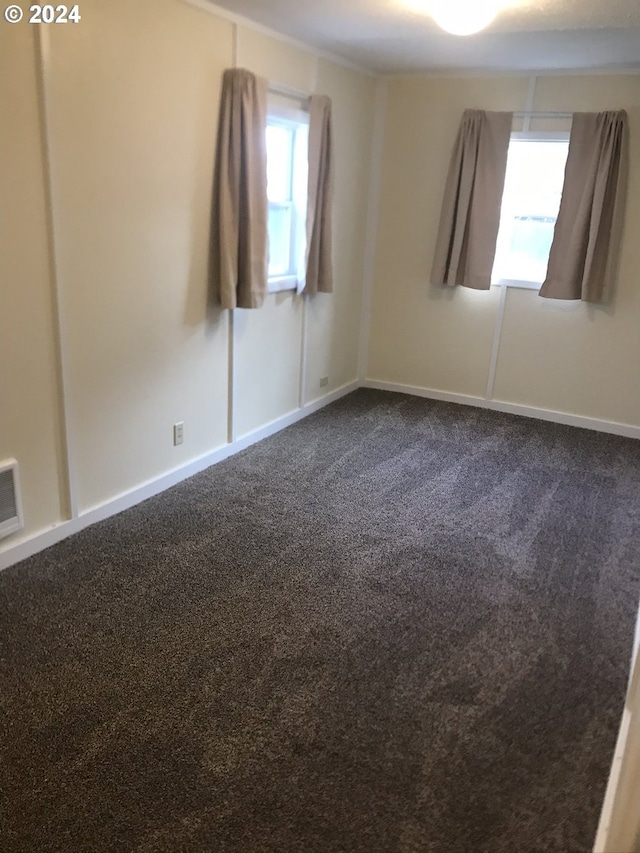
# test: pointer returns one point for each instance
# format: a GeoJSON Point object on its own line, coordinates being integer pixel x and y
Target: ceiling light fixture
{"type": "Point", "coordinates": [464, 17]}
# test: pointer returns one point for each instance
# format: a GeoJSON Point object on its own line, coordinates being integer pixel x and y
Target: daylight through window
{"type": "Point", "coordinates": [287, 142]}
{"type": "Point", "coordinates": [530, 205]}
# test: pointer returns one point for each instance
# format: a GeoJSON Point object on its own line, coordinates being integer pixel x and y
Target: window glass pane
{"type": "Point", "coordinates": [279, 239]}
{"type": "Point", "coordinates": [279, 156]}
{"type": "Point", "coordinates": [529, 246]}
{"type": "Point", "coordinates": [287, 143]}
{"type": "Point", "coordinates": [530, 204]}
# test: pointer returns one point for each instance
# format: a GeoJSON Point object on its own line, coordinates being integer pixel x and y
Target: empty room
{"type": "Point", "coordinates": [320, 426]}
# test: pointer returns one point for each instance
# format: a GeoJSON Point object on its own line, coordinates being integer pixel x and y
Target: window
{"type": "Point", "coordinates": [530, 204]}
{"type": "Point", "coordinates": [287, 167]}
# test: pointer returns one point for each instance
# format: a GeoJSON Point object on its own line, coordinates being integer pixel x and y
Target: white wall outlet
{"type": "Point", "coordinates": [324, 381]}
{"type": "Point", "coordinates": [178, 433]}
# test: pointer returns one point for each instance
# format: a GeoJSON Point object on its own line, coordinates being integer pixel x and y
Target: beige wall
{"type": "Point", "coordinates": [574, 357]}
{"type": "Point", "coordinates": [268, 342]}
{"type": "Point", "coordinates": [29, 414]}
{"type": "Point", "coordinates": [569, 358]}
{"type": "Point", "coordinates": [422, 336]}
{"type": "Point", "coordinates": [133, 97]}
{"type": "Point", "coordinates": [333, 321]}
{"type": "Point", "coordinates": [132, 94]}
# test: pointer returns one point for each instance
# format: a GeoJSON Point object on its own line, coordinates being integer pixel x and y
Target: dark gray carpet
{"type": "Point", "coordinates": [398, 625]}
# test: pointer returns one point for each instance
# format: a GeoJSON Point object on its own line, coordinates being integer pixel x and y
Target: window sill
{"type": "Point", "coordinates": [513, 282]}
{"type": "Point", "coordinates": [284, 282]}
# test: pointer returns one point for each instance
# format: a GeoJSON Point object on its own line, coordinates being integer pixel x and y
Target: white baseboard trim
{"type": "Point", "coordinates": [43, 539]}
{"type": "Point", "coordinates": [564, 418]}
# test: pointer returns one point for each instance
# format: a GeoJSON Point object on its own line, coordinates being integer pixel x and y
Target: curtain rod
{"type": "Point", "coordinates": [543, 114]}
{"type": "Point", "coordinates": [288, 92]}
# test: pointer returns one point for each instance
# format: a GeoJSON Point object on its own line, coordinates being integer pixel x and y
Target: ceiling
{"type": "Point", "coordinates": [399, 36]}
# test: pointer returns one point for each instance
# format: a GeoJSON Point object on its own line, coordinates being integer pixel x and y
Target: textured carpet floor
{"type": "Point", "coordinates": [398, 625]}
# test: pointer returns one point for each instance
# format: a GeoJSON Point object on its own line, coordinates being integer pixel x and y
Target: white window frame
{"type": "Point", "coordinates": [551, 136]}
{"type": "Point", "coordinates": [296, 120]}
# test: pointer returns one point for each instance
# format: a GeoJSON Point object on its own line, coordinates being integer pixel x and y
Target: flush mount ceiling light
{"type": "Point", "coordinates": [464, 17]}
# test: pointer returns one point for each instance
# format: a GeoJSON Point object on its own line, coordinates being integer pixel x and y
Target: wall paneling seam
{"type": "Point", "coordinates": [371, 225]}
{"type": "Point", "coordinates": [497, 332]}
{"type": "Point", "coordinates": [67, 488]}
{"type": "Point", "coordinates": [231, 338]}
{"type": "Point", "coordinates": [304, 326]}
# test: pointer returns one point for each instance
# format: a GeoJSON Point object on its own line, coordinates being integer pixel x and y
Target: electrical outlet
{"type": "Point", "coordinates": [324, 381]}
{"type": "Point", "coordinates": [178, 433]}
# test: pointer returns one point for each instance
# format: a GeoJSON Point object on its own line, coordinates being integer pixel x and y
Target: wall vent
{"type": "Point", "coordinates": [10, 504]}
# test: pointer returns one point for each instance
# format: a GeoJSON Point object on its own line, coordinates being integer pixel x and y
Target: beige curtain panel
{"type": "Point", "coordinates": [239, 242]}
{"type": "Point", "coordinates": [585, 242]}
{"type": "Point", "coordinates": [470, 217]}
{"type": "Point", "coordinates": [319, 265]}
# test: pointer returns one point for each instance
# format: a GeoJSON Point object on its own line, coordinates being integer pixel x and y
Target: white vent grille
{"type": "Point", "coordinates": [10, 505]}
